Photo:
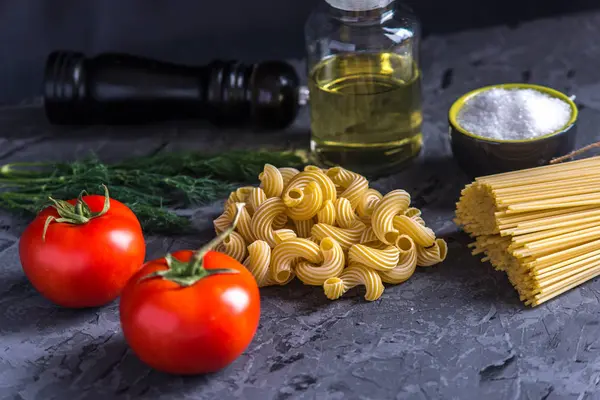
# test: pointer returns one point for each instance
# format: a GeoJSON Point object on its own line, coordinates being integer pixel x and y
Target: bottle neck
{"type": "Point", "coordinates": [363, 17]}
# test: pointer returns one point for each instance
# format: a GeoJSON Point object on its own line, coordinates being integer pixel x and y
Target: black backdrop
{"type": "Point", "coordinates": [195, 31]}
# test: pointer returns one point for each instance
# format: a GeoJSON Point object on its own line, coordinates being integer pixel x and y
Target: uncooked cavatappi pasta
{"type": "Point", "coordinates": [541, 226]}
{"type": "Point", "coordinates": [327, 228]}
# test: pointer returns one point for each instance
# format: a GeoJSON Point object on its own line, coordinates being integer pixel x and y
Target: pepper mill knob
{"type": "Point", "coordinates": [115, 88]}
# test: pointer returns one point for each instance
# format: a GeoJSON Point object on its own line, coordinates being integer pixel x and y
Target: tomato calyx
{"type": "Point", "coordinates": [77, 214]}
{"type": "Point", "coordinates": [189, 273]}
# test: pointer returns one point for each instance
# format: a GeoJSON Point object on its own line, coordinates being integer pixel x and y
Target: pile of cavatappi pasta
{"type": "Point", "coordinates": [329, 229]}
{"type": "Point", "coordinates": [541, 226]}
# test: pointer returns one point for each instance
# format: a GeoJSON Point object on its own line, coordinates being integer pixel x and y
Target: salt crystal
{"type": "Point", "coordinates": [513, 114]}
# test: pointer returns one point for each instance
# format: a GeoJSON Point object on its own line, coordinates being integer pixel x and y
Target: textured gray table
{"type": "Point", "coordinates": [456, 331]}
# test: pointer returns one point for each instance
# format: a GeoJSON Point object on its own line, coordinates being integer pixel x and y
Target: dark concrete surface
{"type": "Point", "coordinates": [455, 331]}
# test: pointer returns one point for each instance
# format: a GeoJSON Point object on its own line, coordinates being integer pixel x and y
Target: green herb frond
{"type": "Point", "coordinates": [151, 186]}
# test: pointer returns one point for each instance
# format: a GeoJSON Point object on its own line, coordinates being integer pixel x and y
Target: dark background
{"type": "Point", "coordinates": [195, 31]}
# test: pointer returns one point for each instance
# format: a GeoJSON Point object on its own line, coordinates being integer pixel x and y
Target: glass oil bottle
{"type": "Point", "coordinates": [364, 85]}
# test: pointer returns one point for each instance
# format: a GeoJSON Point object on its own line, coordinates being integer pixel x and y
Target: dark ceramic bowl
{"type": "Point", "coordinates": [479, 156]}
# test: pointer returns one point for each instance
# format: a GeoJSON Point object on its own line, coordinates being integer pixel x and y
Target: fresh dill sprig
{"type": "Point", "coordinates": [234, 166]}
{"type": "Point", "coordinates": [151, 186]}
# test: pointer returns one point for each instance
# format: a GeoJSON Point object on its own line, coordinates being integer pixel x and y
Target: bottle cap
{"type": "Point", "coordinates": [358, 5]}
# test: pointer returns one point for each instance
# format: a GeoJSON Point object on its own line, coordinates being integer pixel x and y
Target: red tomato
{"type": "Point", "coordinates": [83, 265]}
{"type": "Point", "coordinates": [190, 329]}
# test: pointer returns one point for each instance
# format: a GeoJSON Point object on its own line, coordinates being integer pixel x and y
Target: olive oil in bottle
{"type": "Point", "coordinates": [364, 84]}
{"type": "Point", "coordinates": [365, 111]}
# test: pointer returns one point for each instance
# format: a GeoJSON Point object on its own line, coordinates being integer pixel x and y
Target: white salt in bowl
{"type": "Point", "coordinates": [479, 155]}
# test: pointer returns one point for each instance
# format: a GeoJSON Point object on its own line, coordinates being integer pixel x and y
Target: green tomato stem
{"type": "Point", "coordinates": [77, 214]}
{"type": "Point", "coordinates": [196, 264]}
{"type": "Point", "coordinates": [187, 274]}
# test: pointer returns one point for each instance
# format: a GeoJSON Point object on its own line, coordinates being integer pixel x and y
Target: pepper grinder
{"type": "Point", "coordinates": [115, 88]}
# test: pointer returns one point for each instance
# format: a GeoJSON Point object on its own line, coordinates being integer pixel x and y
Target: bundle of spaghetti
{"type": "Point", "coordinates": [541, 226]}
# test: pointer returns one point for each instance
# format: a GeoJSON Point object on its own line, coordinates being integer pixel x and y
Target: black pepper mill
{"type": "Point", "coordinates": [115, 88]}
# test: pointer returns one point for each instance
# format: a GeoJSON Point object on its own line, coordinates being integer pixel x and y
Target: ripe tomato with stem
{"type": "Point", "coordinates": [191, 312]}
{"type": "Point", "coordinates": [81, 252]}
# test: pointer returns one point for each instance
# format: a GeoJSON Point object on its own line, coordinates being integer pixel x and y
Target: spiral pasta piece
{"type": "Point", "coordinates": [326, 185]}
{"type": "Point", "coordinates": [412, 212]}
{"type": "Point", "coordinates": [262, 221]}
{"type": "Point", "coordinates": [244, 226]}
{"type": "Point", "coordinates": [222, 222]}
{"type": "Point", "coordinates": [394, 203]}
{"type": "Point", "coordinates": [314, 239]}
{"type": "Point", "coordinates": [271, 181]}
{"type": "Point", "coordinates": [304, 227]}
{"type": "Point", "coordinates": [407, 262]}
{"type": "Point", "coordinates": [367, 204]}
{"type": "Point", "coordinates": [418, 220]}
{"type": "Point", "coordinates": [281, 235]}
{"type": "Point", "coordinates": [240, 195]}
{"type": "Point", "coordinates": [376, 244]}
{"type": "Point", "coordinates": [428, 256]}
{"type": "Point", "coordinates": [303, 202]}
{"type": "Point", "coordinates": [313, 168]}
{"type": "Point", "coordinates": [234, 246]}
{"type": "Point", "coordinates": [232, 199]}
{"type": "Point", "coordinates": [280, 221]}
{"type": "Point", "coordinates": [368, 236]}
{"type": "Point", "coordinates": [258, 262]}
{"type": "Point", "coordinates": [287, 174]}
{"type": "Point", "coordinates": [422, 235]}
{"type": "Point", "coordinates": [344, 214]}
{"type": "Point", "coordinates": [345, 237]}
{"type": "Point", "coordinates": [334, 288]}
{"type": "Point", "coordinates": [286, 253]}
{"type": "Point", "coordinates": [255, 198]}
{"type": "Point", "coordinates": [356, 185]}
{"type": "Point", "coordinates": [354, 275]}
{"type": "Point", "coordinates": [379, 260]}
{"type": "Point", "coordinates": [326, 214]}
{"type": "Point", "coordinates": [340, 176]}
{"type": "Point", "coordinates": [332, 266]}
{"type": "Point", "coordinates": [293, 197]}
